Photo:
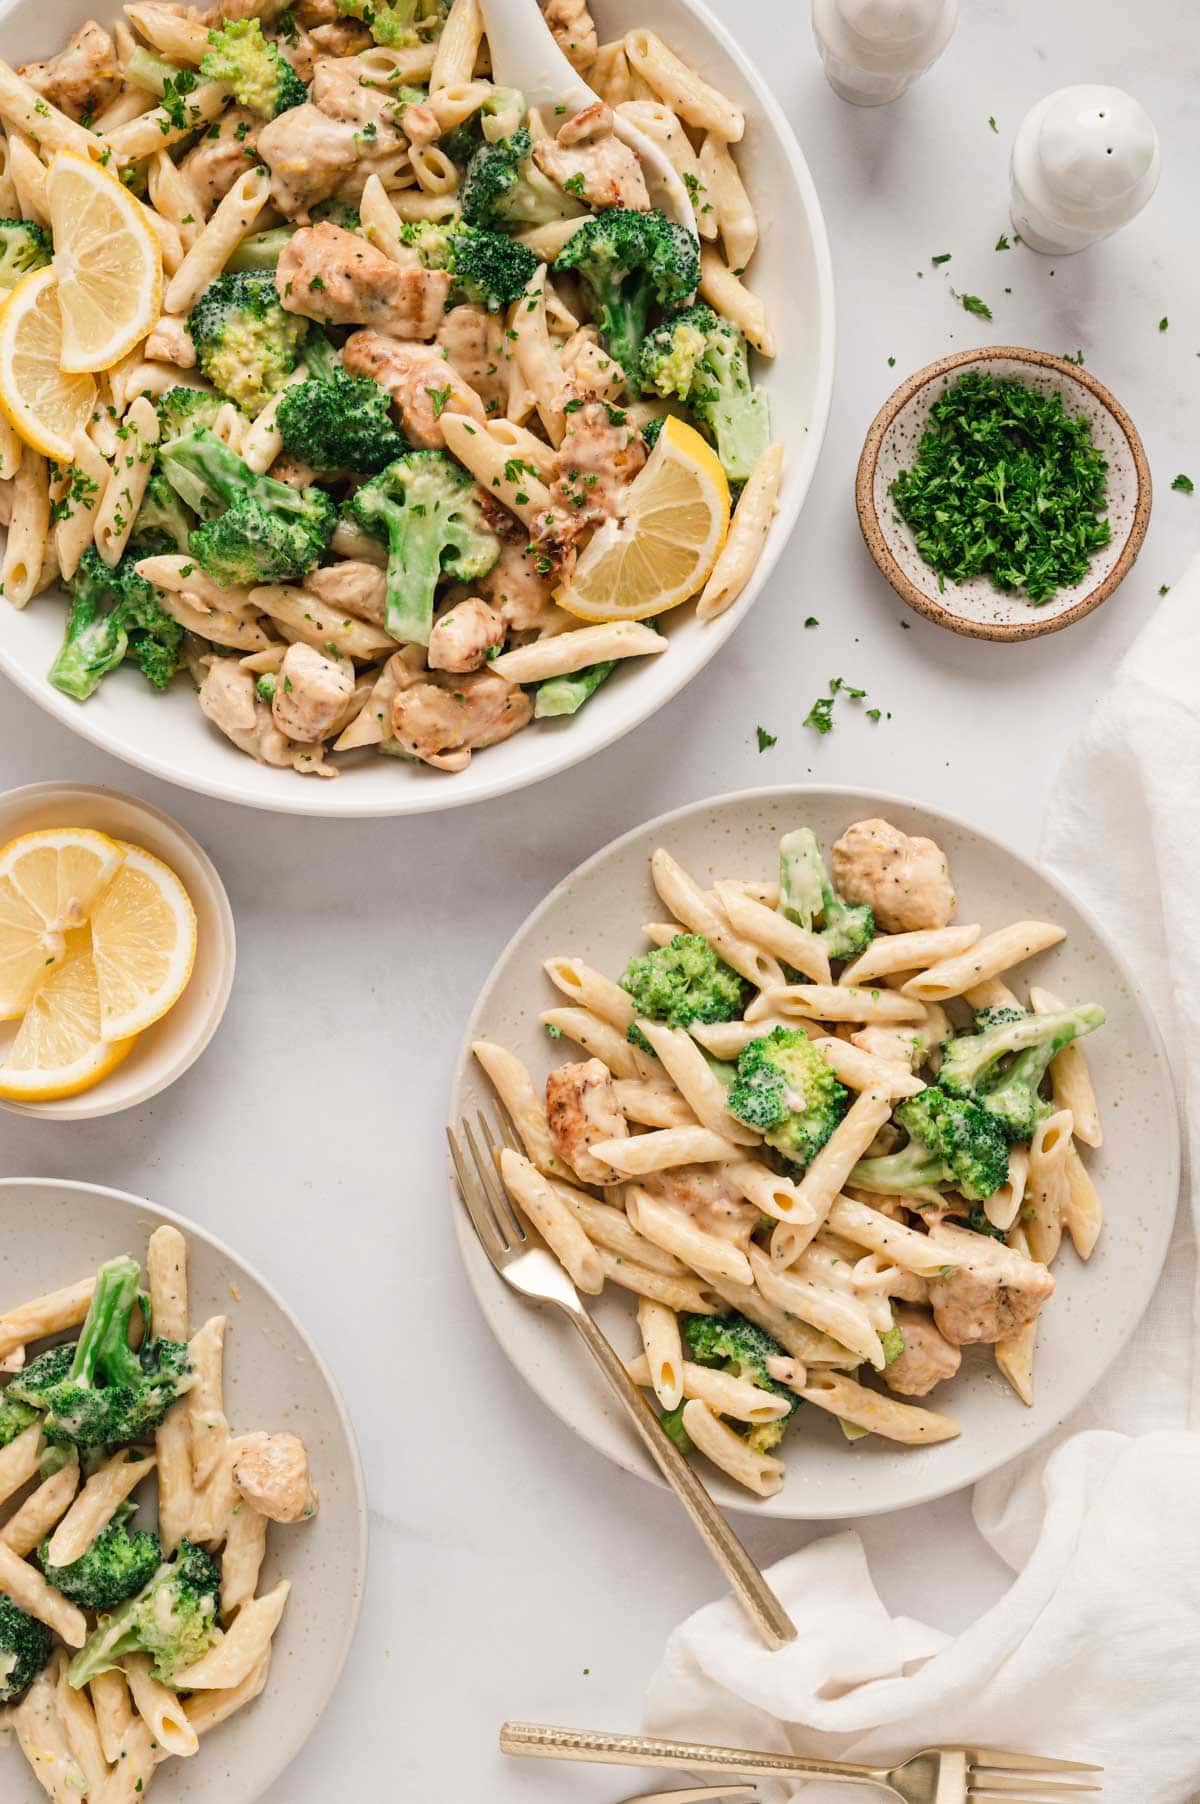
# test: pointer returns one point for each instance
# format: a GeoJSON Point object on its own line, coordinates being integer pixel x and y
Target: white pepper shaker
{"type": "Point", "coordinates": [1085, 160]}
{"type": "Point", "coordinates": [874, 50]}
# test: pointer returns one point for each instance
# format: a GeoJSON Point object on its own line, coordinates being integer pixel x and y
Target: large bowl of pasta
{"type": "Point", "coordinates": [397, 463]}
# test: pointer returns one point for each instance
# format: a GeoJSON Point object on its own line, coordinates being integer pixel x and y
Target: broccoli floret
{"type": "Point", "coordinates": [427, 510]}
{"type": "Point", "coordinates": [173, 1619]}
{"type": "Point", "coordinates": [262, 250]}
{"type": "Point", "coordinates": [978, 1223]}
{"type": "Point", "coordinates": [1001, 1067]}
{"type": "Point", "coordinates": [39, 1378]}
{"type": "Point", "coordinates": [15, 1418]}
{"type": "Point", "coordinates": [567, 694]}
{"type": "Point", "coordinates": [629, 262]}
{"type": "Point", "coordinates": [489, 269]}
{"type": "Point", "coordinates": [162, 516]}
{"type": "Point", "coordinates": [268, 532]}
{"type": "Point", "coordinates": [23, 246]}
{"type": "Point", "coordinates": [247, 345]}
{"type": "Point", "coordinates": [685, 981]}
{"type": "Point", "coordinates": [892, 1342]}
{"type": "Point", "coordinates": [255, 68]}
{"type": "Point", "coordinates": [266, 686]}
{"type": "Point", "coordinates": [742, 1348]}
{"type": "Point", "coordinates": [652, 431]}
{"type": "Point", "coordinates": [806, 896]}
{"type": "Point", "coordinates": [341, 423]}
{"type": "Point", "coordinates": [180, 410]}
{"type": "Point", "coordinates": [504, 186]}
{"type": "Point", "coordinates": [701, 358]}
{"type": "Point", "coordinates": [392, 22]}
{"type": "Point", "coordinates": [110, 1394]}
{"type": "Point", "coordinates": [996, 1017]}
{"type": "Point", "coordinates": [788, 1089]}
{"type": "Point", "coordinates": [25, 1648]}
{"type": "Point", "coordinates": [671, 1422]}
{"type": "Point", "coordinates": [951, 1142]}
{"type": "Point", "coordinates": [116, 1565]}
{"type": "Point", "coordinates": [115, 615]}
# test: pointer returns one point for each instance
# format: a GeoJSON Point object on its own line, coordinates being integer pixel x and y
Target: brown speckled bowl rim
{"type": "Point", "coordinates": [876, 540]}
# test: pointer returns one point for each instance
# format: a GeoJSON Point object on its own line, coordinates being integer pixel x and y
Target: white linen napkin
{"type": "Point", "coordinates": [1094, 1650]}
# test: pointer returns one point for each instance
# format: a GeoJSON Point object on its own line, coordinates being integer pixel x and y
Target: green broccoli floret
{"type": "Point", "coordinates": [627, 263]}
{"type": "Point", "coordinates": [671, 1422]}
{"type": "Point", "coordinates": [567, 694]}
{"type": "Point", "coordinates": [489, 268]}
{"type": "Point", "coordinates": [344, 423]}
{"type": "Point", "coordinates": [110, 1394]}
{"type": "Point", "coordinates": [25, 1648]}
{"type": "Point", "coordinates": [1002, 1067]}
{"type": "Point", "coordinates": [247, 345]}
{"type": "Point", "coordinates": [892, 1342]}
{"type": "Point", "coordinates": [255, 68]}
{"type": "Point", "coordinates": [788, 1089]}
{"type": "Point", "coordinates": [180, 410]}
{"type": "Point", "coordinates": [162, 517]}
{"type": "Point", "coordinates": [262, 250]}
{"type": "Point", "coordinates": [173, 1619]}
{"type": "Point", "coordinates": [806, 896]}
{"type": "Point", "coordinates": [742, 1348]}
{"type": "Point", "coordinates": [996, 1017]}
{"type": "Point", "coordinates": [701, 358]}
{"type": "Point", "coordinates": [15, 1418]}
{"type": "Point", "coordinates": [37, 1381]}
{"type": "Point", "coordinates": [951, 1143]}
{"type": "Point", "coordinates": [392, 22]}
{"type": "Point", "coordinates": [23, 246]}
{"type": "Point", "coordinates": [504, 186]}
{"type": "Point", "coordinates": [652, 431]}
{"type": "Point", "coordinates": [266, 686]}
{"type": "Point", "coordinates": [427, 511]}
{"type": "Point", "coordinates": [115, 615]}
{"type": "Point", "coordinates": [685, 981]}
{"type": "Point", "coordinates": [263, 531]}
{"type": "Point", "coordinates": [116, 1565]}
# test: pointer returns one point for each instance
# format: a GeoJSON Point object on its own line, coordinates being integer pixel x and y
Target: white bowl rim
{"type": "Point", "coordinates": [433, 798]}
{"type": "Point", "coordinates": [290, 1744]}
{"type": "Point", "coordinates": [489, 1296]}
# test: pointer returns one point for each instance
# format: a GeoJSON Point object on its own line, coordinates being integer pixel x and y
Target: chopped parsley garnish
{"type": "Point", "coordinates": [1164, 588]}
{"type": "Point", "coordinates": [992, 122]}
{"type": "Point", "coordinates": [174, 89]}
{"type": "Point", "coordinates": [812, 621]}
{"type": "Point", "coordinates": [439, 397]}
{"type": "Point", "coordinates": [1002, 243]}
{"type": "Point", "coordinates": [820, 715]}
{"type": "Point", "coordinates": [891, 363]}
{"type": "Point", "coordinates": [847, 689]}
{"type": "Point", "coordinates": [1163, 323]}
{"type": "Point", "coordinates": [574, 185]}
{"type": "Point", "coordinates": [765, 740]}
{"type": "Point", "coordinates": [942, 257]}
{"type": "Point", "coordinates": [1184, 484]}
{"type": "Point", "coordinates": [971, 303]}
{"type": "Point", "coordinates": [554, 1032]}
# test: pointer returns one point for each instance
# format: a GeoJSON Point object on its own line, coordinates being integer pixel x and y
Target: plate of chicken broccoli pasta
{"type": "Point", "coordinates": [182, 1523]}
{"type": "Point", "coordinates": [371, 414]}
{"type": "Point", "coordinates": [854, 1129]}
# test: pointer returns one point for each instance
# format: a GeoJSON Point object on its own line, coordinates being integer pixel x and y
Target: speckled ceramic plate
{"type": "Point", "coordinates": [52, 1232]}
{"type": "Point", "coordinates": [977, 608]}
{"type": "Point", "coordinates": [596, 913]}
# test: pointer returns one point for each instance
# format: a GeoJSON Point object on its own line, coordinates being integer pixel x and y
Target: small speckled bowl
{"type": "Point", "coordinates": [977, 608]}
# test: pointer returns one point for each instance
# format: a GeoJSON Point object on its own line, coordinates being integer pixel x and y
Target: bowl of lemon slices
{"type": "Point", "coordinates": [117, 951]}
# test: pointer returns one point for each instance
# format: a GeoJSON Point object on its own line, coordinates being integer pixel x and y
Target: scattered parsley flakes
{"type": "Point", "coordinates": [1002, 243]}
{"type": "Point", "coordinates": [1184, 485]}
{"type": "Point", "coordinates": [439, 397]}
{"type": "Point", "coordinates": [812, 621]}
{"type": "Point", "coordinates": [847, 689]}
{"type": "Point", "coordinates": [874, 713]}
{"type": "Point", "coordinates": [765, 740]}
{"type": "Point", "coordinates": [942, 257]}
{"type": "Point", "coordinates": [971, 303]}
{"type": "Point", "coordinates": [1163, 323]}
{"type": "Point", "coordinates": [992, 122]}
{"type": "Point", "coordinates": [820, 715]}
{"type": "Point", "coordinates": [554, 1032]}
{"type": "Point", "coordinates": [1078, 358]}
{"type": "Point", "coordinates": [906, 626]}
{"type": "Point", "coordinates": [891, 363]}
{"type": "Point", "coordinates": [1164, 588]}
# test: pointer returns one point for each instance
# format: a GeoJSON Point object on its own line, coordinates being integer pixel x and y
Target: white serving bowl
{"type": "Point", "coordinates": [166, 1050]}
{"type": "Point", "coordinates": [170, 738]}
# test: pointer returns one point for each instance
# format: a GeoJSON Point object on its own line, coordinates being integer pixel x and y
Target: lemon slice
{"type": "Point", "coordinates": [48, 884]}
{"type": "Point", "coordinates": [58, 1050]}
{"type": "Point", "coordinates": [144, 944]}
{"type": "Point", "coordinates": [107, 260]}
{"type": "Point", "coordinates": [45, 406]}
{"type": "Point", "coordinates": [662, 550]}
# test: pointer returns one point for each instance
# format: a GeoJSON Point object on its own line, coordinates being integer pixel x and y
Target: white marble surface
{"type": "Point", "coordinates": [513, 1572]}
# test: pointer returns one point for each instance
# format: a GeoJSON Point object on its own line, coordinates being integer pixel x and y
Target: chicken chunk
{"type": "Point", "coordinates": [341, 92]}
{"type": "Point", "coordinates": [83, 78]}
{"type": "Point", "coordinates": [474, 345]}
{"type": "Point", "coordinates": [171, 342]}
{"type": "Point", "coordinates": [595, 461]}
{"type": "Point", "coordinates": [341, 37]}
{"type": "Point", "coordinates": [590, 374]}
{"type": "Point", "coordinates": [271, 1473]}
{"type": "Point", "coordinates": [463, 636]}
{"type": "Point", "coordinates": [582, 1108]}
{"type": "Point", "coordinates": [588, 160]}
{"type": "Point", "coordinates": [441, 721]}
{"type": "Point", "coordinates": [214, 164]}
{"type": "Point", "coordinates": [927, 1358]}
{"type": "Point", "coordinates": [358, 588]}
{"type": "Point", "coordinates": [906, 881]}
{"type": "Point", "coordinates": [517, 588]}
{"type": "Point", "coordinates": [228, 698]}
{"type": "Point", "coordinates": [418, 378]}
{"type": "Point", "coordinates": [992, 1292]}
{"type": "Point", "coordinates": [311, 693]}
{"type": "Point", "coordinates": [328, 274]}
{"type": "Point", "coordinates": [574, 31]}
{"type": "Point", "coordinates": [308, 154]}
{"type": "Point", "coordinates": [704, 1193]}
{"type": "Point", "coordinates": [266, 10]}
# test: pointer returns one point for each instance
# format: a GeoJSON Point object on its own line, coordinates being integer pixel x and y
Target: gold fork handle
{"type": "Point", "coordinates": [751, 1589]}
{"type": "Point", "coordinates": [539, 1741]}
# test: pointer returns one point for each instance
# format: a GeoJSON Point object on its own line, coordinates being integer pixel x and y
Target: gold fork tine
{"type": "Point", "coordinates": [484, 1183]}
{"type": "Point", "coordinates": [508, 1127]}
{"type": "Point", "coordinates": [1002, 1784]}
{"type": "Point", "coordinates": [998, 1759]}
{"type": "Point", "coordinates": [475, 1202]}
{"type": "Point", "coordinates": [1007, 1797]}
{"type": "Point", "coordinates": [511, 1224]}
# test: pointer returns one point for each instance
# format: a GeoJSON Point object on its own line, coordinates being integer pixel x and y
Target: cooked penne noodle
{"type": "Point", "coordinates": [21, 105]}
{"type": "Point", "coordinates": [656, 121]}
{"type": "Point", "coordinates": [235, 1657]}
{"type": "Point", "coordinates": [729, 1039]}
{"type": "Point", "coordinates": [28, 1527]}
{"type": "Point", "coordinates": [514, 1086]}
{"type": "Point", "coordinates": [263, 440]}
{"type": "Point", "coordinates": [659, 1329]}
{"type": "Point", "coordinates": [837, 1002]}
{"type": "Point", "coordinates": [690, 1295]}
{"type": "Point", "coordinates": [878, 1414]}
{"type": "Point", "coordinates": [843, 1318]}
{"type": "Point", "coordinates": [27, 1588]}
{"type": "Point", "coordinates": [731, 205]}
{"type": "Point", "coordinates": [1084, 1210]}
{"type": "Point", "coordinates": [19, 1460]}
{"type": "Point", "coordinates": [747, 535]}
{"type": "Point", "coordinates": [770, 1193]}
{"type": "Point", "coordinates": [546, 241]}
{"type": "Point", "coordinates": [174, 198]}
{"type": "Point", "coordinates": [650, 1105]}
{"type": "Point", "coordinates": [991, 993]}
{"type": "Point", "coordinates": [725, 292]}
{"type": "Point", "coordinates": [863, 1071]}
{"type": "Point", "coordinates": [97, 1504]}
{"type": "Point", "coordinates": [695, 100]}
{"type": "Point", "coordinates": [154, 131]}
{"type": "Point", "coordinates": [118, 506]}
{"type": "Point", "coordinates": [798, 1338]}
{"type": "Point", "coordinates": [759, 1472]}
{"type": "Point", "coordinates": [553, 1220]}
{"type": "Point", "coordinates": [181, 37]}
{"type": "Point", "coordinates": [232, 221]}
{"type": "Point", "coordinates": [1048, 1186]}
{"type": "Point", "coordinates": [995, 953]}
{"type": "Point", "coordinates": [241, 1558]}
{"type": "Point", "coordinates": [10, 206]}
{"type": "Point", "coordinates": [711, 1255]}
{"type": "Point", "coordinates": [1004, 1205]}
{"type": "Point", "coordinates": [457, 47]}
{"type": "Point", "coordinates": [868, 1227]}
{"type": "Point", "coordinates": [382, 225]}
{"type": "Point", "coordinates": [537, 359]}
{"type": "Point", "coordinates": [78, 1719]}
{"type": "Point", "coordinates": [28, 175]}
{"type": "Point", "coordinates": [592, 991]}
{"type": "Point", "coordinates": [599, 1039]}
{"type": "Point", "coordinates": [494, 469]}
{"type": "Point", "coordinates": [724, 1394]}
{"type": "Point", "coordinates": [10, 452]}
{"type": "Point", "coordinates": [662, 1148]}
{"type": "Point", "coordinates": [87, 479]}
{"type": "Point", "coordinates": [159, 1708]}
{"type": "Point", "coordinates": [1014, 1355]}
{"type": "Point", "coordinates": [176, 1494]}
{"type": "Point", "coordinates": [207, 1422]}
{"type": "Point", "coordinates": [774, 932]}
{"type": "Point", "coordinates": [824, 1178]}
{"type": "Point", "coordinates": [1070, 1078]}
{"type": "Point", "coordinates": [689, 1070]}
{"type": "Point", "coordinates": [689, 904]}
{"type": "Point", "coordinates": [518, 442]}
{"type": "Point", "coordinates": [892, 952]}
{"type": "Point", "coordinates": [42, 1737]}
{"type": "Point", "coordinates": [112, 1709]}
{"type": "Point", "coordinates": [303, 615]}
{"type": "Point", "coordinates": [28, 532]}
{"type": "Point", "coordinates": [44, 1316]}
{"type": "Point", "coordinates": [609, 1226]}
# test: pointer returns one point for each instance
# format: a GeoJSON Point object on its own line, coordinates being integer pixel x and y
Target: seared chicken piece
{"type": "Point", "coordinates": [905, 880]}
{"type": "Point", "coordinates": [590, 373]}
{"type": "Point", "coordinates": [516, 588]}
{"type": "Point", "coordinates": [308, 154]}
{"type": "Point", "coordinates": [361, 589]}
{"type": "Point", "coordinates": [443, 720]}
{"type": "Point", "coordinates": [574, 31]}
{"type": "Point", "coordinates": [228, 698]}
{"type": "Point", "coordinates": [83, 78]}
{"type": "Point", "coordinates": [316, 12]}
{"type": "Point", "coordinates": [581, 1108]}
{"type": "Point", "coordinates": [266, 10]}
{"type": "Point", "coordinates": [339, 90]}
{"type": "Point", "coordinates": [342, 37]}
{"type": "Point", "coordinates": [271, 1473]}
{"type": "Point", "coordinates": [991, 1293]}
{"type": "Point", "coordinates": [418, 378]}
{"type": "Point", "coordinates": [592, 465]}
{"type": "Point", "coordinates": [311, 693]}
{"type": "Point", "coordinates": [332, 275]}
{"type": "Point", "coordinates": [474, 345]}
{"type": "Point", "coordinates": [463, 636]}
{"type": "Point", "coordinates": [171, 342]}
{"type": "Point", "coordinates": [587, 160]}
{"type": "Point", "coordinates": [927, 1358]}
{"type": "Point", "coordinates": [706, 1195]}
{"type": "Point", "coordinates": [213, 165]}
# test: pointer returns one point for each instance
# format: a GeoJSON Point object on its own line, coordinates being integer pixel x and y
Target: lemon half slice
{"type": "Point", "coordinates": [107, 260]}
{"type": "Point", "coordinates": [58, 1050]}
{"type": "Point", "coordinates": [48, 884]}
{"type": "Point", "coordinates": [43, 404]}
{"type": "Point", "coordinates": [144, 944]}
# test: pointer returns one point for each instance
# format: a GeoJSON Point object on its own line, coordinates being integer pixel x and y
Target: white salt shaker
{"type": "Point", "coordinates": [1085, 161]}
{"type": "Point", "coordinates": [874, 50]}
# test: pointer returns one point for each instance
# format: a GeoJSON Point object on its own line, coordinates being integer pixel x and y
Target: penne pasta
{"type": "Point", "coordinates": [663, 1351]}
{"type": "Point", "coordinates": [878, 1414]}
{"type": "Point", "coordinates": [892, 952]}
{"type": "Point", "coordinates": [1070, 1078]}
{"type": "Point", "coordinates": [541, 1203]}
{"type": "Point", "coordinates": [759, 1472]}
{"type": "Point", "coordinates": [97, 1504]}
{"type": "Point", "coordinates": [711, 1255]}
{"type": "Point", "coordinates": [995, 953]}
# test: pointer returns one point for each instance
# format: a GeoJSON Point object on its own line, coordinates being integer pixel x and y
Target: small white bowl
{"type": "Point", "coordinates": [165, 1051]}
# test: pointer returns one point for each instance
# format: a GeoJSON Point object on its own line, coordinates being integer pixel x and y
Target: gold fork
{"type": "Point", "coordinates": [935, 1776]}
{"type": "Point", "coordinates": [536, 1273]}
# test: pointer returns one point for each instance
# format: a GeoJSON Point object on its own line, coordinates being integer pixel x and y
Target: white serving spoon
{"type": "Point", "coordinates": [525, 56]}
